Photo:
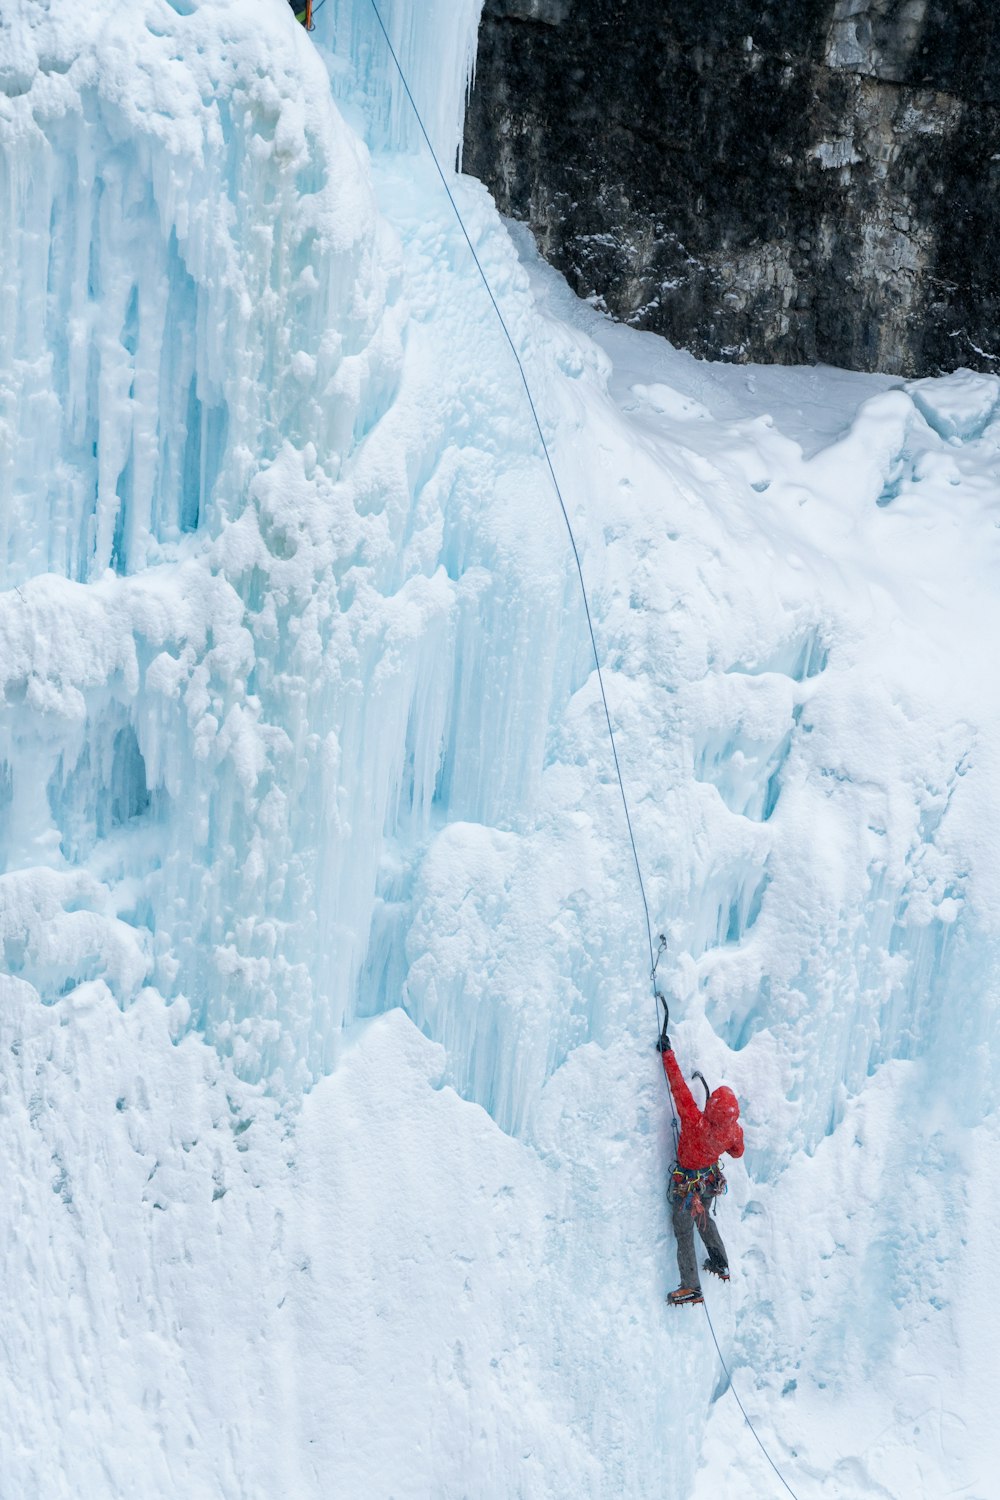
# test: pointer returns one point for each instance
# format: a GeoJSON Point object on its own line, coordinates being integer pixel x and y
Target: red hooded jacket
{"type": "Point", "coordinates": [704, 1137]}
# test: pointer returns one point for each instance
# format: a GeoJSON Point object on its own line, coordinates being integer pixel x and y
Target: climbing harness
{"type": "Point", "coordinates": [654, 958]}
{"type": "Point", "coordinates": [696, 1186]}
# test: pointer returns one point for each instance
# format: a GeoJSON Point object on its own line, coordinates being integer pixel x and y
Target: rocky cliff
{"type": "Point", "coordinates": [777, 180]}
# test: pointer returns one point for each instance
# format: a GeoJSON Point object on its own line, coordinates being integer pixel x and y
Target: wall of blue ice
{"type": "Point", "coordinates": [260, 562]}
{"type": "Point", "coordinates": [289, 633]}
{"type": "Point", "coordinates": [198, 299]}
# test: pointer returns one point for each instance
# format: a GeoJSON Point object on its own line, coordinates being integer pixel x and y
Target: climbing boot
{"type": "Point", "coordinates": [685, 1295]}
{"type": "Point", "coordinates": [717, 1268]}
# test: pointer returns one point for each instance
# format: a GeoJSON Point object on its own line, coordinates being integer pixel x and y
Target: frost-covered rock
{"type": "Point", "coordinates": [790, 180]}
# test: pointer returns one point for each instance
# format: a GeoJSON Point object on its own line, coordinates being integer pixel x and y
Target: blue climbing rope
{"type": "Point", "coordinates": [653, 958]}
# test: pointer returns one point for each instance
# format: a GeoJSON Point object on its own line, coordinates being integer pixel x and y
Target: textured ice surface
{"type": "Point", "coordinates": [333, 1137]}
{"type": "Point", "coordinates": [435, 43]}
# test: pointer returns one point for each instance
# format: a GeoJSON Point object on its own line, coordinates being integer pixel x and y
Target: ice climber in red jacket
{"type": "Point", "coordinates": [696, 1178]}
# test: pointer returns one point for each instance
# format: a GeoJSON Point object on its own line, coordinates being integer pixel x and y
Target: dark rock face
{"type": "Point", "coordinates": [775, 180]}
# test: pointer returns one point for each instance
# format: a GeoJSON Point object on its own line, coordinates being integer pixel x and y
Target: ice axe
{"type": "Point", "coordinates": [664, 1041]}
{"type": "Point", "coordinates": [661, 948]}
{"type": "Point", "coordinates": [663, 1038]}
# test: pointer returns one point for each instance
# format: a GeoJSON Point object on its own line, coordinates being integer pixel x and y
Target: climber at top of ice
{"type": "Point", "coordinates": [303, 12]}
{"type": "Point", "coordinates": [696, 1178]}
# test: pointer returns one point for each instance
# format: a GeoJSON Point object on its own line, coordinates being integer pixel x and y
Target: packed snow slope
{"type": "Point", "coordinates": [332, 1137]}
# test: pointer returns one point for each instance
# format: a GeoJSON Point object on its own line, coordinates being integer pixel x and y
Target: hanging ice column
{"type": "Point", "coordinates": [435, 43]}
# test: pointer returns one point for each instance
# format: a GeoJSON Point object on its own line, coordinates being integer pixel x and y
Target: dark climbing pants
{"type": "Point", "coordinates": [684, 1227]}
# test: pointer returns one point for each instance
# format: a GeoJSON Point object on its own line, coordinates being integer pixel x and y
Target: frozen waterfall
{"type": "Point", "coordinates": [334, 1140]}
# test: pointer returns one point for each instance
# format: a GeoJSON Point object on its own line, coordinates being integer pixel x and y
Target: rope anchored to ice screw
{"type": "Point", "coordinates": [654, 959]}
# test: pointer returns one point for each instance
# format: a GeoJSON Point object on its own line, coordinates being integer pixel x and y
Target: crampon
{"type": "Point", "coordinates": [685, 1295]}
